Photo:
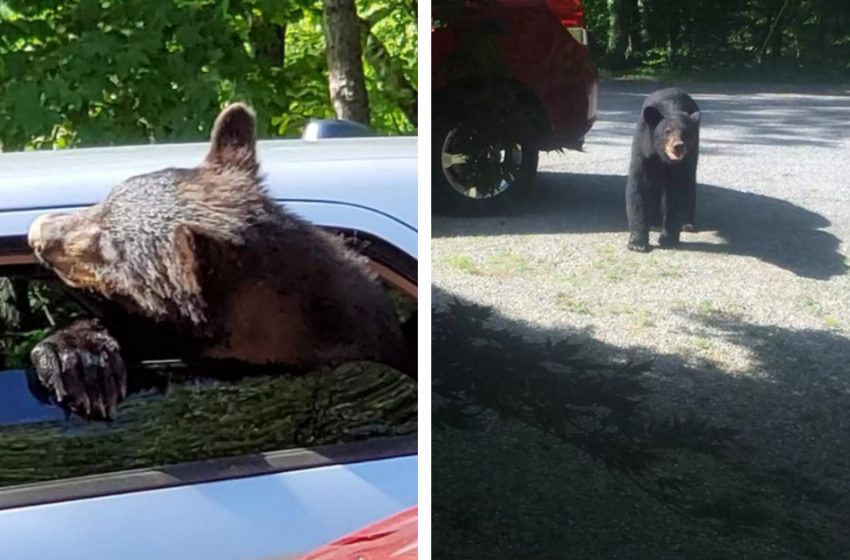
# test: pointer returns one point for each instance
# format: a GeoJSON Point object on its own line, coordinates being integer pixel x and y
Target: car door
{"type": "Point", "coordinates": [258, 468]}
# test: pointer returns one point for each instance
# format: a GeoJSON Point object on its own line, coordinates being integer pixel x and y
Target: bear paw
{"type": "Point", "coordinates": [80, 369]}
{"type": "Point", "coordinates": [689, 228]}
{"type": "Point", "coordinates": [639, 246]}
{"type": "Point", "coordinates": [666, 240]}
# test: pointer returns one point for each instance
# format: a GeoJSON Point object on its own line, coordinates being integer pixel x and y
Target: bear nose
{"type": "Point", "coordinates": [38, 238]}
{"type": "Point", "coordinates": [679, 148]}
{"type": "Point", "coordinates": [34, 238]}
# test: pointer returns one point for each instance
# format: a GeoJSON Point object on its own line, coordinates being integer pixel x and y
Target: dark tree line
{"type": "Point", "coordinates": [788, 36]}
{"type": "Point", "coordinates": [811, 35]}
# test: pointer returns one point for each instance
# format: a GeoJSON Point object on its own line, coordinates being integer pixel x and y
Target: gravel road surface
{"type": "Point", "coordinates": [747, 325]}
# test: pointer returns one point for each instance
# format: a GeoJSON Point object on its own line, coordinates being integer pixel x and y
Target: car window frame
{"type": "Point", "coordinates": [393, 265]}
{"type": "Point", "coordinates": [209, 470]}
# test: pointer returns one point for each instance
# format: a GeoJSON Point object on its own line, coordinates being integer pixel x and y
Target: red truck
{"type": "Point", "coordinates": [510, 78]}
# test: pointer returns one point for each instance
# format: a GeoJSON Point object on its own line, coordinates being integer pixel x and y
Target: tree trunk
{"type": "Point", "coordinates": [619, 13]}
{"type": "Point", "coordinates": [345, 63]}
{"type": "Point", "coordinates": [636, 28]}
{"type": "Point", "coordinates": [774, 36]}
{"type": "Point", "coordinates": [776, 45]}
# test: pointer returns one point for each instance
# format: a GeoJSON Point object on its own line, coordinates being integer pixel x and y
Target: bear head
{"type": "Point", "coordinates": [674, 135]}
{"type": "Point", "coordinates": [139, 246]}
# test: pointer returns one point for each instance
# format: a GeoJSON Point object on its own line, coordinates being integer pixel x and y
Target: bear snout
{"type": "Point", "coordinates": [676, 150]}
{"type": "Point", "coordinates": [39, 238]}
{"type": "Point", "coordinates": [66, 244]}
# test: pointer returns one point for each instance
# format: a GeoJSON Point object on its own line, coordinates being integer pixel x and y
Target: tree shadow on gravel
{"type": "Point", "coordinates": [769, 229]}
{"type": "Point", "coordinates": [755, 464]}
{"type": "Point", "coordinates": [761, 114]}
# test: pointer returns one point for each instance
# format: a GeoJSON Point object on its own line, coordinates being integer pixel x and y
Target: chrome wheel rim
{"type": "Point", "coordinates": [478, 169]}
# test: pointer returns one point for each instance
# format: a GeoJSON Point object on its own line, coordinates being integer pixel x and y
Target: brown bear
{"type": "Point", "coordinates": [211, 258]}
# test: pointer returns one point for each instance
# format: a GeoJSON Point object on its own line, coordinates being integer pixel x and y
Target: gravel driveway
{"type": "Point", "coordinates": [747, 325]}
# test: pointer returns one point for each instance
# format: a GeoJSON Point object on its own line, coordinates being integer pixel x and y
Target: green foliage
{"type": "Point", "coordinates": [97, 72]}
{"type": "Point", "coordinates": [28, 310]}
{"type": "Point", "coordinates": [774, 35]}
{"type": "Point", "coordinates": [15, 348]}
{"type": "Point", "coordinates": [391, 53]}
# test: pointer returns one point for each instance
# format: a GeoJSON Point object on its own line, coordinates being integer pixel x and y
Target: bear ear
{"type": "Point", "coordinates": [233, 143]}
{"type": "Point", "coordinates": [695, 116]}
{"type": "Point", "coordinates": [652, 116]}
{"type": "Point", "coordinates": [183, 269]}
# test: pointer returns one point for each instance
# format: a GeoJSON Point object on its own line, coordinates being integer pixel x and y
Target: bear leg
{"type": "Point", "coordinates": [674, 204]}
{"type": "Point", "coordinates": [668, 239]}
{"type": "Point", "coordinates": [638, 204]}
{"type": "Point", "coordinates": [691, 191]}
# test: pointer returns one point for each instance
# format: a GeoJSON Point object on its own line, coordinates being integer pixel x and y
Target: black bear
{"type": "Point", "coordinates": [663, 171]}
{"type": "Point", "coordinates": [210, 256]}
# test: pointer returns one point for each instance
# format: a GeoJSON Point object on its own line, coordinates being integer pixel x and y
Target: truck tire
{"type": "Point", "coordinates": [474, 175]}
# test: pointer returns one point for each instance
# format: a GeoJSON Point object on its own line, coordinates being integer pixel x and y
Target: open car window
{"type": "Point", "coordinates": [203, 415]}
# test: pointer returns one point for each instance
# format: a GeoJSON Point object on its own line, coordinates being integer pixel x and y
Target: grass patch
{"type": "Point", "coordinates": [617, 265]}
{"type": "Point", "coordinates": [463, 263]}
{"type": "Point", "coordinates": [612, 266]}
{"type": "Point", "coordinates": [831, 323]}
{"type": "Point", "coordinates": [567, 303]}
{"type": "Point", "coordinates": [816, 309]}
{"type": "Point", "coordinates": [710, 310]}
{"type": "Point", "coordinates": [702, 343]}
{"type": "Point", "coordinates": [613, 309]}
{"type": "Point", "coordinates": [501, 264]}
{"type": "Point", "coordinates": [507, 262]}
{"type": "Point", "coordinates": [706, 308]}
{"type": "Point", "coordinates": [644, 319]}
{"type": "Point", "coordinates": [664, 271]}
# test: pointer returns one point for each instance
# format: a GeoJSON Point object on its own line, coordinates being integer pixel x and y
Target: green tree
{"type": "Point", "coordinates": [100, 72]}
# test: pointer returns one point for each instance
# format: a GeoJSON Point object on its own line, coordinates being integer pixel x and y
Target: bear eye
{"type": "Point", "coordinates": [668, 131]}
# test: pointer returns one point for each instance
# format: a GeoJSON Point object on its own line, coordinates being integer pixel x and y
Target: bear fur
{"type": "Point", "coordinates": [209, 257]}
{"type": "Point", "coordinates": [662, 174]}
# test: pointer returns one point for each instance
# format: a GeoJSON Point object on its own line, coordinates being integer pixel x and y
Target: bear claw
{"type": "Point", "coordinates": [639, 247]}
{"type": "Point", "coordinates": [80, 369]}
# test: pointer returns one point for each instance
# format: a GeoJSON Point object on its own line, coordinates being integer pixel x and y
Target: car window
{"type": "Point", "coordinates": [202, 415]}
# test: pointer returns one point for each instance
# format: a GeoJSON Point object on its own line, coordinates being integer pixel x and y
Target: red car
{"type": "Point", "coordinates": [510, 78]}
{"type": "Point", "coordinates": [394, 538]}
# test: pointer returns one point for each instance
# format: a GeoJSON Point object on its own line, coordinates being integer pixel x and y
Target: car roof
{"type": "Point", "coordinates": [377, 173]}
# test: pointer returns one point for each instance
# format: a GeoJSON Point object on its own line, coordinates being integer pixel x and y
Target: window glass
{"type": "Point", "coordinates": [196, 418]}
